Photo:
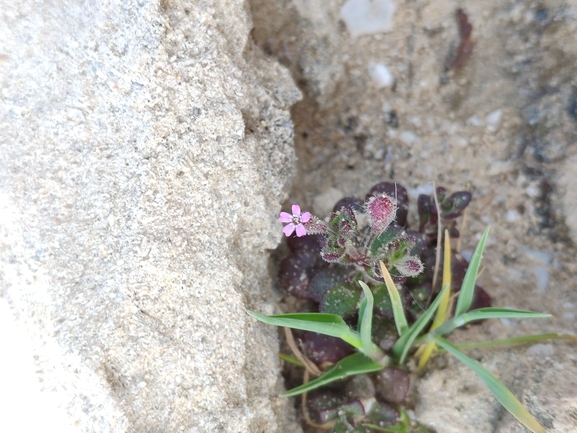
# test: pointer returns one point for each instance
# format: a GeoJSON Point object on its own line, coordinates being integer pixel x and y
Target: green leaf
{"type": "Point", "coordinates": [403, 344]}
{"type": "Point", "coordinates": [482, 314]}
{"type": "Point", "coordinates": [362, 306]}
{"type": "Point", "coordinates": [385, 238]}
{"type": "Point", "coordinates": [468, 287]}
{"type": "Point", "coordinates": [500, 391]}
{"type": "Point", "coordinates": [341, 300]}
{"type": "Point", "coordinates": [367, 319]}
{"type": "Point", "coordinates": [323, 323]}
{"type": "Point", "coordinates": [357, 363]}
{"type": "Point", "coordinates": [398, 311]}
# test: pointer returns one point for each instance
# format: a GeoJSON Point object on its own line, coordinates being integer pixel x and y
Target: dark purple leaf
{"type": "Point", "coordinates": [324, 349]}
{"type": "Point", "coordinates": [347, 410]}
{"type": "Point", "coordinates": [324, 279]}
{"type": "Point", "coordinates": [383, 414]}
{"type": "Point", "coordinates": [384, 332]}
{"type": "Point", "coordinates": [481, 299]}
{"type": "Point", "coordinates": [453, 206]}
{"type": "Point", "coordinates": [359, 387]}
{"type": "Point", "coordinates": [351, 202]}
{"type": "Point", "coordinates": [393, 385]}
{"type": "Point", "coordinates": [295, 272]}
{"type": "Point", "coordinates": [427, 211]}
{"type": "Point", "coordinates": [309, 242]}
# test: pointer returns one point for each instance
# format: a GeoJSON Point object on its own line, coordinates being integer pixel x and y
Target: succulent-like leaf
{"type": "Point", "coordinates": [350, 409]}
{"type": "Point", "coordinates": [360, 387]}
{"type": "Point", "coordinates": [324, 279]}
{"type": "Point", "coordinates": [342, 300]}
{"type": "Point", "coordinates": [296, 270]}
{"type": "Point", "coordinates": [383, 301]}
{"type": "Point", "coordinates": [393, 384]}
{"type": "Point", "coordinates": [453, 206]}
{"type": "Point", "coordinates": [427, 211]}
{"type": "Point", "coordinates": [324, 349]}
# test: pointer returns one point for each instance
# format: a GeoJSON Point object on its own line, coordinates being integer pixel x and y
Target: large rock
{"type": "Point", "coordinates": [146, 149]}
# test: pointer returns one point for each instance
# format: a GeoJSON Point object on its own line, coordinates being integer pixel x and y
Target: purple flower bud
{"type": "Point", "coordinates": [381, 210]}
{"type": "Point", "coordinates": [409, 266]}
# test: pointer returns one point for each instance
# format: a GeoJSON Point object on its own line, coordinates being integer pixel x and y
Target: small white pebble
{"type": "Point", "coordinates": [531, 191]}
{"type": "Point", "coordinates": [507, 322]}
{"type": "Point", "coordinates": [493, 120]}
{"type": "Point", "coordinates": [512, 216]}
{"type": "Point", "coordinates": [367, 17]}
{"type": "Point", "coordinates": [407, 137]}
{"type": "Point", "coordinates": [474, 120]}
{"type": "Point", "coordinates": [540, 350]}
{"type": "Point", "coordinates": [380, 75]}
{"type": "Point", "coordinates": [415, 120]}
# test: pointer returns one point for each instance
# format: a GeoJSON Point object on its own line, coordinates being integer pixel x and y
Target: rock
{"type": "Point", "coordinates": [568, 194]}
{"type": "Point", "coordinates": [146, 150]}
{"type": "Point", "coordinates": [552, 401]}
{"type": "Point", "coordinates": [455, 400]}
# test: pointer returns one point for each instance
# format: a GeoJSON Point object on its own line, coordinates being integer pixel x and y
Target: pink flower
{"type": "Point", "coordinates": [295, 221]}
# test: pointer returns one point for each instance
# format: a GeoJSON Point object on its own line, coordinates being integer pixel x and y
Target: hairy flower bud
{"type": "Point", "coordinates": [381, 210]}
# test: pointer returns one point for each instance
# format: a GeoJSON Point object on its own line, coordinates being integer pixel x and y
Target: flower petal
{"type": "Point", "coordinates": [296, 210]}
{"type": "Point", "coordinates": [301, 231]}
{"type": "Point", "coordinates": [288, 229]}
{"type": "Point", "coordinates": [305, 217]}
{"type": "Point", "coordinates": [285, 217]}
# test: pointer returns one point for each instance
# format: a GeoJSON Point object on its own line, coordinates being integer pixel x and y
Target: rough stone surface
{"type": "Point", "coordinates": [146, 147]}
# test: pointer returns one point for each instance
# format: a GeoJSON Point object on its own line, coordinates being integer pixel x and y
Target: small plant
{"type": "Point", "coordinates": [376, 290]}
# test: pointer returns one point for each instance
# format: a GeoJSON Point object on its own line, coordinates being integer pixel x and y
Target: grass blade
{"type": "Point", "coordinates": [398, 310]}
{"type": "Point", "coordinates": [515, 340]}
{"type": "Point", "coordinates": [441, 315]}
{"type": "Point", "coordinates": [500, 391]}
{"type": "Point", "coordinates": [357, 363]}
{"type": "Point", "coordinates": [468, 287]}
{"type": "Point", "coordinates": [367, 319]}
{"type": "Point", "coordinates": [323, 323]}
{"type": "Point", "coordinates": [291, 359]}
{"type": "Point", "coordinates": [486, 313]}
{"type": "Point", "coordinates": [403, 344]}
